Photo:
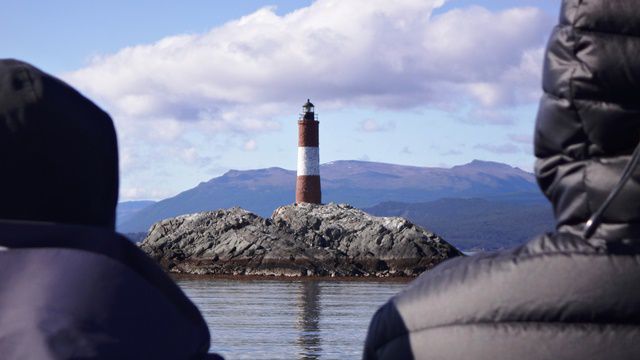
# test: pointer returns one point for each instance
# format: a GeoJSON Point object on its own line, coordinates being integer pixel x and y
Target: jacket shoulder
{"type": "Point", "coordinates": [553, 279]}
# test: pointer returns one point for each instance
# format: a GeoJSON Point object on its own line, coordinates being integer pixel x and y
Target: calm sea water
{"type": "Point", "coordinates": [268, 319]}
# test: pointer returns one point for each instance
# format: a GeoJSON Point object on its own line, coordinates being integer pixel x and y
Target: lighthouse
{"type": "Point", "coordinates": [308, 181]}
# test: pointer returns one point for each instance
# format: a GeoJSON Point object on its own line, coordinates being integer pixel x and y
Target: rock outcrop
{"type": "Point", "coordinates": [299, 240]}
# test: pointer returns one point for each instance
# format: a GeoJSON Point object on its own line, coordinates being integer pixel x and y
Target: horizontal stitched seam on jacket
{"type": "Point", "coordinates": [600, 32]}
{"type": "Point", "coordinates": [585, 30]}
{"type": "Point", "coordinates": [554, 96]}
{"type": "Point", "coordinates": [518, 254]}
{"type": "Point", "coordinates": [525, 323]}
{"type": "Point", "coordinates": [607, 221]}
{"type": "Point", "coordinates": [558, 97]}
{"type": "Point", "coordinates": [595, 101]}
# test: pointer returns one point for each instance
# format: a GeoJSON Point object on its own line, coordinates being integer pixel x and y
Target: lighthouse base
{"type": "Point", "coordinates": [308, 189]}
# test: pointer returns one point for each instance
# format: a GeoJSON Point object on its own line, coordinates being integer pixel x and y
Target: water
{"type": "Point", "coordinates": [302, 319]}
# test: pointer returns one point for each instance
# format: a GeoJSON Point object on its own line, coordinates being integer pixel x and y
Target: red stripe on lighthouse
{"type": "Point", "coordinates": [308, 189]}
{"type": "Point", "coordinates": [308, 133]}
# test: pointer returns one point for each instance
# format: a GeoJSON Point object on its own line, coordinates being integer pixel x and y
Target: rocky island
{"type": "Point", "coordinates": [298, 240]}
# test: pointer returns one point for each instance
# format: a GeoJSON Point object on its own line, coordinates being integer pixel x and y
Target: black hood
{"type": "Point", "coordinates": [58, 151]}
{"type": "Point", "coordinates": [589, 119]}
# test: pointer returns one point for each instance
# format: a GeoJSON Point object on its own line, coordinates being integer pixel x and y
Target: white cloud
{"type": "Point", "coordinates": [506, 148]}
{"type": "Point", "coordinates": [495, 116]}
{"type": "Point", "coordinates": [250, 145]}
{"type": "Point", "coordinates": [526, 139]}
{"type": "Point", "coordinates": [127, 159]}
{"type": "Point", "coordinates": [143, 193]}
{"type": "Point", "coordinates": [372, 125]}
{"type": "Point", "coordinates": [191, 155]}
{"type": "Point", "coordinates": [452, 152]}
{"type": "Point", "coordinates": [373, 52]}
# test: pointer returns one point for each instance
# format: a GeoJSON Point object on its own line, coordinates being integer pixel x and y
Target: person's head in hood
{"type": "Point", "coordinates": [58, 151]}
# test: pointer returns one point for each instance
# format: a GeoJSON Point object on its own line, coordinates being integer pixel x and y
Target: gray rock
{"type": "Point", "coordinates": [299, 240]}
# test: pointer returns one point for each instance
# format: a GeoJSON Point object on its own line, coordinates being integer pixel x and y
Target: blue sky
{"type": "Point", "coordinates": [200, 87]}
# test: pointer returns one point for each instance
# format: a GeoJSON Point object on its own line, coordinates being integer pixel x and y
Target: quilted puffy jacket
{"type": "Point", "coordinates": [562, 295]}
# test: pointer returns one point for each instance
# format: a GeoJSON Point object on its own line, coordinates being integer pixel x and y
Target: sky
{"type": "Point", "coordinates": [196, 87]}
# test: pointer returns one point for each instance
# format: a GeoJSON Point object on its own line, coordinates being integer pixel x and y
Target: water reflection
{"type": "Point", "coordinates": [308, 323]}
{"type": "Point", "coordinates": [287, 319]}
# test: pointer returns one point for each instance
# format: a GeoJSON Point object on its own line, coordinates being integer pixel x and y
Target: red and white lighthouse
{"type": "Point", "coordinates": [308, 181]}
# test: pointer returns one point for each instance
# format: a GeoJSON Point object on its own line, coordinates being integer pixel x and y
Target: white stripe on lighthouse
{"type": "Point", "coordinates": [308, 161]}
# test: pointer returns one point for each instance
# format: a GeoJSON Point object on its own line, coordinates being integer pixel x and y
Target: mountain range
{"type": "Point", "coordinates": [381, 188]}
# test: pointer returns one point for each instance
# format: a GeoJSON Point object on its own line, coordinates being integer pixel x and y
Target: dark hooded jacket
{"type": "Point", "coordinates": [562, 295]}
{"type": "Point", "coordinates": [70, 287]}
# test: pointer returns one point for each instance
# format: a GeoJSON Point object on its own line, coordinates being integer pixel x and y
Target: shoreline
{"type": "Point", "coordinates": [214, 277]}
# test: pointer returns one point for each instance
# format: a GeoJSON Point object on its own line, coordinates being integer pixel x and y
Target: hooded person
{"type": "Point", "coordinates": [572, 294]}
{"type": "Point", "coordinates": [70, 287]}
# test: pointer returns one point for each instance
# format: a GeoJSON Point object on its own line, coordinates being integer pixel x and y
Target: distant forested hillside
{"type": "Point", "coordinates": [472, 224]}
{"type": "Point", "coordinates": [126, 209]}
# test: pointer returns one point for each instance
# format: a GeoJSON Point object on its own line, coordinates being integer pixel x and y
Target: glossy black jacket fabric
{"type": "Point", "coordinates": [560, 296]}
{"type": "Point", "coordinates": [70, 287]}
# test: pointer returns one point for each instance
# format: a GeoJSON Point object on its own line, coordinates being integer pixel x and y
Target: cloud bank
{"type": "Point", "coordinates": [239, 77]}
{"type": "Point", "coordinates": [360, 52]}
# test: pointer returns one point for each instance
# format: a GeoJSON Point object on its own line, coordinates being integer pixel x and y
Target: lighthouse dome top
{"type": "Point", "coordinates": [308, 106]}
